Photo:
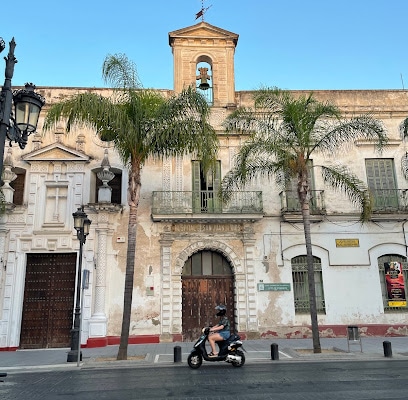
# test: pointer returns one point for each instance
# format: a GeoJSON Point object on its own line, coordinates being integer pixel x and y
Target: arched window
{"type": "Point", "coordinates": [393, 278]}
{"type": "Point", "coordinates": [206, 263]}
{"type": "Point", "coordinates": [301, 284]}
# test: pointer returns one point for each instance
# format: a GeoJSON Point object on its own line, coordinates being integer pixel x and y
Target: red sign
{"type": "Point", "coordinates": [394, 280]}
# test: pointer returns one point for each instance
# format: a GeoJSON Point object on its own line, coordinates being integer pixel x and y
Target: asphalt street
{"type": "Point", "coordinates": [334, 380]}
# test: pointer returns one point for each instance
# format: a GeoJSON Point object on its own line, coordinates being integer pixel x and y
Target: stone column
{"type": "Point", "coordinates": [3, 303]}
{"type": "Point", "coordinates": [249, 252]}
{"type": "Point", "coordinates": [98, 320]}
{"type": "Point", "coordinates": [166, 291]}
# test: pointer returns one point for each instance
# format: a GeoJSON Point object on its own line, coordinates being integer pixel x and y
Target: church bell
{"type": "Point", "coordinates": [203, 86]}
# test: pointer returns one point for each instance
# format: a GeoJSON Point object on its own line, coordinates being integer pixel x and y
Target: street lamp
{"type": "Point", "coordinates": [81, 225]}
{"type": "Point", "coordinates": [18, 125]}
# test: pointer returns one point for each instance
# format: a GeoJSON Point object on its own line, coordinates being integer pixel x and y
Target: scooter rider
{"type": "Point", "coordinates": [219, 332]}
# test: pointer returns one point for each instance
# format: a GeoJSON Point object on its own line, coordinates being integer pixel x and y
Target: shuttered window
{"type": "Point", "coordinates": [301, 284]}
{"type": "Point", "coordinates": [382, 184]}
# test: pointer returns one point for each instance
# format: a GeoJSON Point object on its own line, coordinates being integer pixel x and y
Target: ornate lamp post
{"type": "Point", "coordinates": [81, 225]}
{"type": "Point", "coordinates": [18, 125]}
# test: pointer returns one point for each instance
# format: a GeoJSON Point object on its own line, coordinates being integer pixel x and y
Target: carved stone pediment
{"type": "Point", "coordinates": [56, 152]}
{"type": "Point", "coordinates": [203, 30]}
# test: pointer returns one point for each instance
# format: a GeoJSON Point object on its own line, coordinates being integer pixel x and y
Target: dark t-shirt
{"type": "Point", "coordinates": [224, 321]}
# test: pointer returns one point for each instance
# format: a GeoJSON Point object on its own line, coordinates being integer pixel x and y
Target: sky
{"type": "Point", "coordinates": [291, 44]}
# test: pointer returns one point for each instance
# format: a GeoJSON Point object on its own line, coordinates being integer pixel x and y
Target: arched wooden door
{"type": "Point", "coordinates": [207, 281]}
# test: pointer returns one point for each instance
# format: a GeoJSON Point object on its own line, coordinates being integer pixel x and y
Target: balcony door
{"type": "Point", "coordinates": [382, 184]}
{"type": "Point", "coordinates": [205, 188]}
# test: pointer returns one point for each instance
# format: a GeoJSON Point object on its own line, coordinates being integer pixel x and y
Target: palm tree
{"type": "Point", "coordinates": [285, 132]}
{"type": "Point", "coordinates": [404, 136]}
{"type": "Point", "coordinates": [142, 124]}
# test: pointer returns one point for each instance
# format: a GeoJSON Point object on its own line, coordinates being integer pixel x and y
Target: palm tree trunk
{"type": "Point", "coordinates": [134, 195]}
{"type": "Point", "coordinates": [304, 201]}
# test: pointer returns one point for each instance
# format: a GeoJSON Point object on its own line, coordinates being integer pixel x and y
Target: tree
{"type": "Point", "coordinates": [285, 132]}
{"type": "Point", "coordinates": [142, 124]}
{"type": "Point", "coordinates": [404, 137]}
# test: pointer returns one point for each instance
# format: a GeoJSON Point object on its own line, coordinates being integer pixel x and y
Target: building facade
{"type": "Point", "coordinates": [192, 251]}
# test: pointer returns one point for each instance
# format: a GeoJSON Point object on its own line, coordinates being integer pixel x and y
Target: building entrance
{"type": "Point", "coordinates": [48, 300]}
{"type": "Point", "coordinates": [207, 280]}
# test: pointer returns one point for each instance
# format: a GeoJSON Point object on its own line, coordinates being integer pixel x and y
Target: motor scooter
{"type": "Point", "coordinates": [229, 351]}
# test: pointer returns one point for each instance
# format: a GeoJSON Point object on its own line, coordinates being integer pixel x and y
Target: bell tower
{"type": "Point", "coordinates": [203, 56]}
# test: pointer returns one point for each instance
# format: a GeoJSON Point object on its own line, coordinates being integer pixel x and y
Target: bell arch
{"type": "Point", "coordinates": [205, 43]}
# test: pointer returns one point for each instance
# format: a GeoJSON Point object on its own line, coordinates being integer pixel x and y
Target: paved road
{"type": "Point", "coordinates": [337, 380]}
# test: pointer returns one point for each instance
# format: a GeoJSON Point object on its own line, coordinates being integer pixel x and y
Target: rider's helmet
{"type": "Point", "coordinates": [221, 310]}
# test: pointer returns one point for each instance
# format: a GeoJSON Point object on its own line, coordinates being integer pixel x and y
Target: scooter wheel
{"type": "Point", "coordinates": [242, 362]}
{"type": "Point", "coordinates": [194, 360]}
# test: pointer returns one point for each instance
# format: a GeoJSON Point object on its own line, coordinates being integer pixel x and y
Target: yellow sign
{"type": "Point", "coordinates": [347, 243]}
{"type": "Point", "coordinates": [401, 303]}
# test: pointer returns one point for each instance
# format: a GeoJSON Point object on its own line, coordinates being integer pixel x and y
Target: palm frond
{"type": "Point", "coordinates": [404, 129]}
{"type": "Point", "coordinates": [85, 108]}
{"type": "Point", "coordinates": [331, 136]}
{"type": "Point", "coordinates": [339, 177]}
{"type": "Point", "coordinates": [404, 165]}
{"type": "Point", "coordinates": [120, 72]}
{"type": "Point", "coordinates": [254, 159]}
{"type": "Point", "coordinates": [182, 126]}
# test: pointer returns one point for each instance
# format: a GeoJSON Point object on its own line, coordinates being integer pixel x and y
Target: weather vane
{"type": "Point", "coordinates": [202, 11]}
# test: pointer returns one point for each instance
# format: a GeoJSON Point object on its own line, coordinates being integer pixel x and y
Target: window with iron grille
{"type": "Point", "coordinates": [383, 261]}
{"type": "Point", "coordinates": [301, 284]}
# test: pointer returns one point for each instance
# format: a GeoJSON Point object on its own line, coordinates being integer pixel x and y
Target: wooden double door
{"type": "Point", "coordinates": [48, 300]}
{"type": "Point", "coordinates": [207, 281]}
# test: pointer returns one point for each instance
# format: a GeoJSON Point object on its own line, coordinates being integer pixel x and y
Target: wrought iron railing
{"type": "Point", "coordinates": [170, 203]}
{"type": "Point", "coordinates": [290, 201]}
{"type": "Point", "coordinates": [390, 200]}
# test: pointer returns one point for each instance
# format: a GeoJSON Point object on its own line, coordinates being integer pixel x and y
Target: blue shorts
{"type": "Point", "coordinates": [224, 334]}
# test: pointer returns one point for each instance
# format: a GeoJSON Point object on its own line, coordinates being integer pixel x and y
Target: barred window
{"type": "Point", "coordinates": [301, 284]}
{"type": "Point", "coordinates": [383, 263]}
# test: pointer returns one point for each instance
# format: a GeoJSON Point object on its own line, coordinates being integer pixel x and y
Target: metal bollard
{"type": "Point", "coordinates": [177, 354]}
{"type": "Point", "coordinates": [387, 349]}
{"type": "Point", "coordinates": [274, 351]}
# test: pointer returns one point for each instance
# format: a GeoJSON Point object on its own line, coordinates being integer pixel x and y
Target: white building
{"type": "Point", "coordinates": [192, 252]}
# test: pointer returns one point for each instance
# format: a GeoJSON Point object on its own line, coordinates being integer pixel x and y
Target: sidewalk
{"type": "Point", "coordinates": [160, 354]}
